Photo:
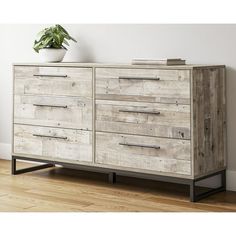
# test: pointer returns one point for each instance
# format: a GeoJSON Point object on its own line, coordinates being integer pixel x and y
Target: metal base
{"type": "Point", "coordinates": [112, 177]}
{"type": "Point", "coordinates": [14, 171]}
{"type": "Point", "coordinates": [194, 196]}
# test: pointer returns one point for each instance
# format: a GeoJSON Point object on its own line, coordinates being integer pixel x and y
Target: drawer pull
{"type": "Point", "coordinates": [45, 75]}
{"type": "Point", "coordinates": [44, 105]}
{"type": "Point", "coordinates": [145, 112]}
{"type": "Point", "coordinates": [140, 145]}
{"type": "Point", "coordinates": [49, 136]}
{"type": "Point", "coordinates": [137, 78]}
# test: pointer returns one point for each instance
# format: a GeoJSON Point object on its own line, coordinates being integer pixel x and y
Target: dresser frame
{"type": "Point", "coordinates": [191, 182]}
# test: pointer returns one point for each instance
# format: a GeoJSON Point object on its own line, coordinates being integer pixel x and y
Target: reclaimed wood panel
{"type": "Point", "coordinates": [172, 157]}
{"type": "Point", "coordinates": [208, 120]}
{"type": "Point", "coordinates": [78, 81]}
{"type": "Point", "coordinates": [192, 119]}
{"type": "Point", "coordinates": [53, 143]}
{"type": "Point", "coordinates": [66, 112]}
{"type": "Point", "coordinates": [151, 119]}
{"type": "Point", "coordinates": [147, 85]}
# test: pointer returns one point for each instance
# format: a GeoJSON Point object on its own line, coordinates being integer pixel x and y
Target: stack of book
{"type": "Point", "coordinates": [168, 62]}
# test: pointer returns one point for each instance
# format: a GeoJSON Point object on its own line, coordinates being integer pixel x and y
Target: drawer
{"type": "Point", "coordinates": [147, 85]}
{"type": "Point", "coordinates": [53, 143]}
{"type": "Point", "coordinates": [151, 119]}
{"type": "Point", "coordinates": [66, 112]}
{"type": "Point", "coordinates": [53, 81]}
{"type": "Point", "coordinates": [143, 153]}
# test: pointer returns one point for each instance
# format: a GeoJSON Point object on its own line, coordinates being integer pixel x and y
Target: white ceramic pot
{"type": "Point", "coordinates": [52, 54]}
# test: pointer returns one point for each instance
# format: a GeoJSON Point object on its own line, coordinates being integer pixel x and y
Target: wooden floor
{"type": "Point", "coordinates": [64, 190]}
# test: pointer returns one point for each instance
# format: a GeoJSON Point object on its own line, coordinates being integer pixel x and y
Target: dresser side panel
{"type": "Point", "coordinates": [208, 120]}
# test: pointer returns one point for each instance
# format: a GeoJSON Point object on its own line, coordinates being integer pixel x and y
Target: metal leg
{"type": "Point", "coordinates": [14, 171]}
{"type": "Point", "coordinates": [196, 197]}
{"type": "Point", "coordinates": [223, 180]}
{"type": "Point", "coordinates": [13, 166]}
{"type": "Point", "coordinates": [112, 177]}
{"type": "Point", "coordinates": [192, 191]}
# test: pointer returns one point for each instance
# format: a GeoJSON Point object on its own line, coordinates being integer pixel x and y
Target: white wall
{"type": "Point", "coordinates": [120, 43]}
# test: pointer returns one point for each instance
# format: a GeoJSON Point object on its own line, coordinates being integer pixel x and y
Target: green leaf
{"type": "Point", "coordinates": [52, 37]}
{"type": "Point", "coordinates": [47, 41]}
{"type": "Point", "coordinates": [62, 29]}
{"type": "Point", "coordinates": [65, 42]}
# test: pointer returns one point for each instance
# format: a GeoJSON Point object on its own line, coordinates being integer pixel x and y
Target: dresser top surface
{"type": "Point", "coordinates": [116, 65]}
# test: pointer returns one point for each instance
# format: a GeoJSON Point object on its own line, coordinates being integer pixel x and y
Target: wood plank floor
{"type": "Point", "coordinates": [64, 190]}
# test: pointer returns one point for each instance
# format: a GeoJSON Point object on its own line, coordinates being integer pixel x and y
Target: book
{"type": "Point", "coordinates": [168, 61]}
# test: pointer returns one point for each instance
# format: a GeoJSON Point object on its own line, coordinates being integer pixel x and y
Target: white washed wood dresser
{"type": "Point", "coordinates": [157, 122]}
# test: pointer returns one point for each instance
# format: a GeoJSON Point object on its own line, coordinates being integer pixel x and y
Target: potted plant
{"type": "Point", "coordinates": [51, 43]}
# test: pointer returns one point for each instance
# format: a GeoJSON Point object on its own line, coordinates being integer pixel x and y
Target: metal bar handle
{"type": "Point", "coordinates": [140, 145]}
{"type": "Point", "coordinates": [137, 78]}
{"type": "Point", "coordinates": [145, 112]}
{"type": "Point", "coordinates": [45, 105]}
{"type": "Point", "coordinates": [50, 75]}
{"type": "Point", "coordinates": [49, 136]}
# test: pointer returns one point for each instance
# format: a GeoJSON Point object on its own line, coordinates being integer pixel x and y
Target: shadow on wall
{"type": "Point", "coordinates": [80, 52]}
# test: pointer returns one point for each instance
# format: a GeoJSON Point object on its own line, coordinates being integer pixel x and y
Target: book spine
{"type": "Point", "coordinates": [149, 63]}
{"type": "Point", "coordinates": [169, 63]}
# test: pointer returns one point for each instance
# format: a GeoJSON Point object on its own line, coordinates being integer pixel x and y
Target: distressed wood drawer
{"type": "Point", "coordinates": [53, 81]}
{"type": "Point", "coordinates": [151, 119]}
{"type": "Point", "coordinates": [147, 85]}
{"type": "Point", "coordinates": [53, 143]}
{"type": "Point", "coordinates": [144, 153]}
{"type": "Point", "coordinates": [66, 112]}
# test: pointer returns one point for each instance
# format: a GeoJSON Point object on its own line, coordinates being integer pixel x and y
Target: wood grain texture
{"type": "Point", "coordinates": [66, 112]}
{"type": "Point", "coordinates": [190, 99]}
{"type": "Point", "coordinates": [151, 119]}
{"type": "Point", "coordinates": [209, 121]}
{"type": "Point", "coordinates": [55, 143]}
{"type": "Point", "coordinates": [172, 157]}
{"type": "Point", "coordinates": [66, 190]}
{"type": "Point", "coordinates": [117, 65]}
{"type": "Point", "coordinates": [77, 83]}
{"type": "Point", "coordinates": [149, 85]}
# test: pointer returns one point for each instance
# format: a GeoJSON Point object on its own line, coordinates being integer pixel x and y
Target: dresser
{"type": "Point", "coordinates": [166, 123]}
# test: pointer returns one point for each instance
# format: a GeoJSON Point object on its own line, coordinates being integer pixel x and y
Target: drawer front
{"type": "Point", "coordinates": [143, 153]}
{"type": "Point", "coordinates": [147, 85]}
{"type": "Point", "coordinates": [66, 112]}
{"type": "Point", "coordinates": [53, 81]}
{"type": "Point", "coordinates": [151, 119]}
{"type": "Point", "coordinates": [53, 143]}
